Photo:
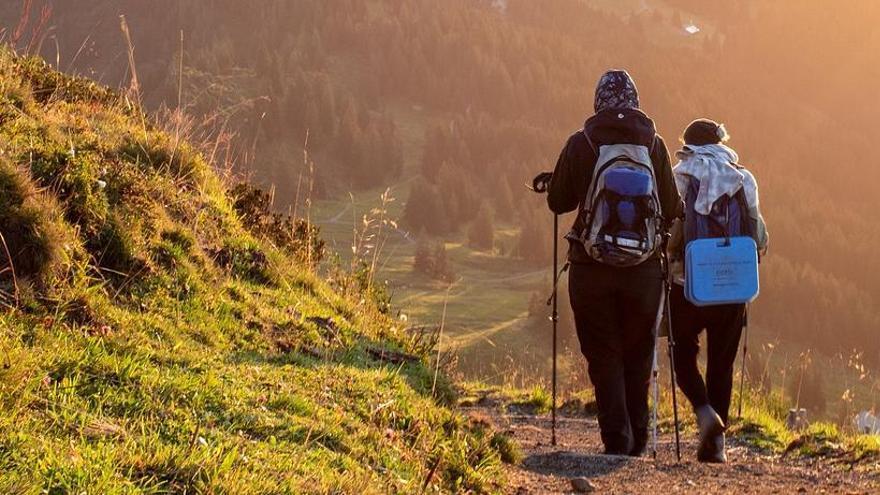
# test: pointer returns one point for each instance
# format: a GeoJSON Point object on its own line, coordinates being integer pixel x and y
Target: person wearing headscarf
{"type": "Point", "coordinates": [715, 166]}
{"type": "Point", "coordinates": [614, 308]}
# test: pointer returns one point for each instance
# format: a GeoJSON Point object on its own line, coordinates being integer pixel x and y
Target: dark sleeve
{"type": "Point", "coordinates": [568, 185]}
{"type": "Point", "coordinates": [670, 200]}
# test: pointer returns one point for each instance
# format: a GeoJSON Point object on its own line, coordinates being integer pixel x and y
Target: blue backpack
{"type": "Point", "coordinates": [729, 216]}
{"type": "Point", "coordinates": [721, 257]}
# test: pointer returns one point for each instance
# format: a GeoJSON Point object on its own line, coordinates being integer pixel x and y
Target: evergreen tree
{"type": "Point", "coordinates": [423, 262]}
{"type": "Point", "coordinates": [424, 210]}
{"type": "Point", "coordinates": [481, 233]}
{"type": "Point", "coordinates": [442, 267]}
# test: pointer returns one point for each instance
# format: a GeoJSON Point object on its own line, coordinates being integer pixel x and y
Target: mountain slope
{"type": "Point", "coordinates": [501, 89]}
{"type": "Point", "coordinates": [152, 342]}
{"type": "Point", "coordinates": [476, 99]}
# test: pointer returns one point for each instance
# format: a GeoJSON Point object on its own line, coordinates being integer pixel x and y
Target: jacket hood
{"type": "Point", "coordinates": [615, 126]}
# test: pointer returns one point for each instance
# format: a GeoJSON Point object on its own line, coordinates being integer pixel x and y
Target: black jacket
{"type": "Point", "coordinates": [574, 169]}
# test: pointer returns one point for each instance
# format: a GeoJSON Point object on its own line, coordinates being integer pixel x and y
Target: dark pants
{"type": "Point", "coordinates": [614, 312]}
{"type": "Point", "coordinates": [723, 325]}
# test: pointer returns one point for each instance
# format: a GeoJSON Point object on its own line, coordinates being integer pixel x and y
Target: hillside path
{"type": "Point", "coordinates": [549, 470]}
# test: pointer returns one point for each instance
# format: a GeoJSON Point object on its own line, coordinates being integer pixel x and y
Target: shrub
{"type": "Point", "coordinates": [244, 261]}
{"type": "Point", "coordinates": [30, 229]}
{"type": "Point", "coordinates": [296, 236]}
{"type": "Point", "coordinates": [507, 448]}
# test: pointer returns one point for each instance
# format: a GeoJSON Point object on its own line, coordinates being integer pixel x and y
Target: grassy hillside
{"type": "Point", "coordinates": [495, 91]}
{"type": "Point", "coordinates": [152, 343]}
{"type": "Point", "coordinates": [156, 340]}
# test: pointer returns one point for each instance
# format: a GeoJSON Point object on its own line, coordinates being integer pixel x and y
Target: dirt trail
{"type": "Point", "coordinates": [548, 470]}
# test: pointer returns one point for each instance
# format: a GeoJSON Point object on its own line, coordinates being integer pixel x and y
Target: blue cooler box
{"type": "Point", "coordinates": [721, 271]}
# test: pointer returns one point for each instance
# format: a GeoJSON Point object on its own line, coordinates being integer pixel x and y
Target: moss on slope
{"type": "Point", "coordinates": [150, 344]}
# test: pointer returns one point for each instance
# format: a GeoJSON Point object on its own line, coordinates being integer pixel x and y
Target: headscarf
{"type": "Point", "coordinates": [616, 91]}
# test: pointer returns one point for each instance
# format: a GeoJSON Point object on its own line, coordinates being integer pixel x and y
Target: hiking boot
{"type": "Point", "coordinates": [714, 451]}
{"type": "Point", "coordinates": [638, 448]}
{"type": "Point", "coordinates": [710, 425]}
{"type": "Point", "coordinates": [709, 422]}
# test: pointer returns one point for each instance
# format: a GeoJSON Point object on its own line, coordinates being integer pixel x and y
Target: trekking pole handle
{"type": "Point", "coordinates": [541, 182]}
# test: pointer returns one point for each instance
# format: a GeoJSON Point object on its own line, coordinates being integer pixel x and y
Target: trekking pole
{"type": "Point", "coordinates": [742, 372]}
{"type": "Point", "coordinates": [667, 291]}
{"type": "Point", "coordinates": [655, 374]}
{"type": "Point", "coordinates": [554, 315]}
{"type": "Point", "coordinates": [671, 342]}
{"type": "Point", "coordinates": [539, 185]}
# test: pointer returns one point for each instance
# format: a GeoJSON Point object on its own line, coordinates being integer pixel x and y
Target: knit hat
{"type": "Point", "coordinates": [705, 131]}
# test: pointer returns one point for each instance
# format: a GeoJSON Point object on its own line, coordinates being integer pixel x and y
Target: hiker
{"type": "Point", "coordinates": [708, 172]}
{"type": "Point", "coordinates": [615, 301]}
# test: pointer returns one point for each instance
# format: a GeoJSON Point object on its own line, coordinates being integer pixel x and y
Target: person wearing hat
{"type": "Point", "coordinates": [715, 166]}
{"type": "Point", "coordinates": [614, 308]}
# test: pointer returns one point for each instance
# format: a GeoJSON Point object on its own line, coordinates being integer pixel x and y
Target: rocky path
{"type": "Point", "coordinates": [549, 470]}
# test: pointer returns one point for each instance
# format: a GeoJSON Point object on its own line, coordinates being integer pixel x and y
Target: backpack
{"type": "Point", "coordinates": [621, 210]}
{"type": "Point", "coordinates": [721, 257]}
{"type": "Point", "coordinates": [728, 217]}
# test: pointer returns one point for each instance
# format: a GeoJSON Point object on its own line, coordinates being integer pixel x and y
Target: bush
{"type": "Point", "coordinates": [246, 262]}
{"type": "Point", "coordinates": [433, 261]}
{"type": "Point", "coordinates": [507, 448]}
{"type": "Point", "coordinates": [30, 229]}
{"type": "Point", "coordinates": [296, 236]}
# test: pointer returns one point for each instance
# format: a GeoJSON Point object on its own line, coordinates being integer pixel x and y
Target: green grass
{"type": "Point", "coordinates": [164, 348]}
{"type": "Point", "coordinates": [536, 400]}
{"type": "Point", "coordinates": [763, 425]}
{"type": "Point", "coordinates": [196, 398]}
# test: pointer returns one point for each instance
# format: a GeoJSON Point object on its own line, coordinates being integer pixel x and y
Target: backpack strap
{"type": "Point", "coordinates": [590, 143]}
{"type": "Point", "coordinates": [745, 221]}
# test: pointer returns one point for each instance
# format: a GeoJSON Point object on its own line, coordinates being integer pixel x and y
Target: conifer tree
{"type": "Point", "coordinates": [481, 233]}
{"type": "Point", "coordinates": [424, 210]}
{"type": "Point", "coordinates": [442, 267]}
{"type": "Point", "coordinates": [423, 262]}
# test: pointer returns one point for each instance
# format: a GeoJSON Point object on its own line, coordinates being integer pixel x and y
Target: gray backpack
{"type": "Point", "coordinates": [621, 211]}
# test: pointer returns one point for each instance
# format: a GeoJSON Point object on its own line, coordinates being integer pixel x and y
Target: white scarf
{"type": "Point", "coordinates": [713, 166]}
